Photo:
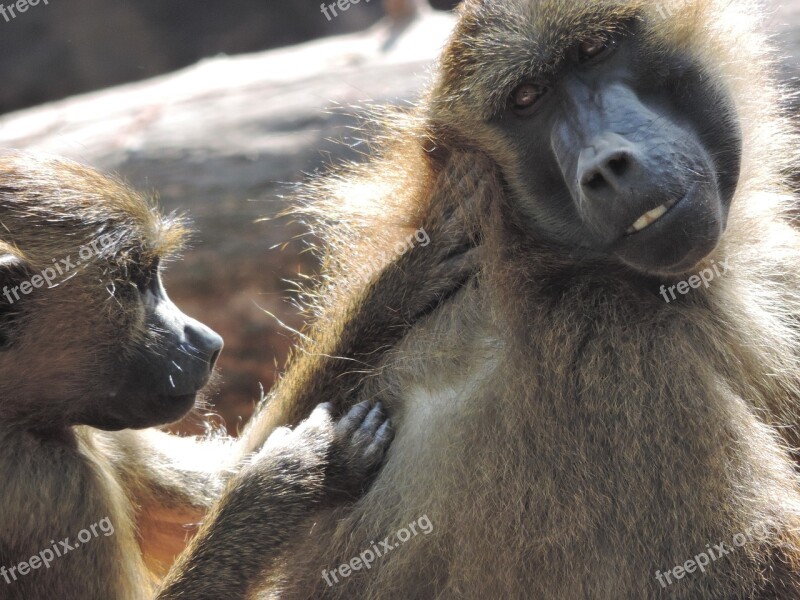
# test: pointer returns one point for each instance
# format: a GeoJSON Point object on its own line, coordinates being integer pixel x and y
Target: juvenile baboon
{"type": "Point", "coordinates": [568, 432]}
{"type": "Point", "coordinates": [94, 353]}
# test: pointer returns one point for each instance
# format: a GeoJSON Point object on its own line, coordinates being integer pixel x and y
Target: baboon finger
{"type": "Point", "coordinates": [383, 437]}
{"type": "Point", "coordinates": [373, 421]}
{"type": "Point", "coordinates": [376, 451]}
{"type": "Point", "coordinates": [351, 422]}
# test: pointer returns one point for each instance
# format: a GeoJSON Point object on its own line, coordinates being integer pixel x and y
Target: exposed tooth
{"type": "Point", "coordinates": [648, 218]}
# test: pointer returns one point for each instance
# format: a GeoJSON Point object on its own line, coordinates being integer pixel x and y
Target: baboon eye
{"type": "Point", "coordinates": [142, 276]}
{"type": "Point", "coordinates": [593, 47]}
{"type": "Point", "coordinates": [526, 96]}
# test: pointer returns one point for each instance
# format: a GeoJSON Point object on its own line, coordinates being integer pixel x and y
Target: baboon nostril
{"type": "Point", "coordinates": [606, 172]}
{"type": "Point", "coordinates": [213, 361]}
{"type": "Point", "coordinates": [618, 165]}
{"type": "Point", "coordinates": [594, 181]}
{"type": "Point", "coordinates": [207, 344]}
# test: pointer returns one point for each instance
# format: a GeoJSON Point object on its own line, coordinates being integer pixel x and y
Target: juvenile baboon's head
{"type": "Point", "coordinates": [622, 129]}
{"type": "Point", "coordinates": [87, 332]}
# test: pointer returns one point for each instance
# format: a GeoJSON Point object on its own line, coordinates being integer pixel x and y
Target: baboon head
{"type": "Point", "coordinates": [615, 124]}
{"type": "Point", "coordinates": [88, 334]}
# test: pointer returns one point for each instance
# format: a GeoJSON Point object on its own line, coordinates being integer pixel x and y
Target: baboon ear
{"type": "Point", "coordinates": [9, 260]}
{"type": "Point", "coordinates": [12, 272]}
{"type": "Point", "coordinates": [11, 267]}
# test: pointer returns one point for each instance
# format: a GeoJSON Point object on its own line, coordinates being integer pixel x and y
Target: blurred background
{"type": "Point", "coordinates": [67, 48]}
{"type": "Point", "coordinates": [217, 107]}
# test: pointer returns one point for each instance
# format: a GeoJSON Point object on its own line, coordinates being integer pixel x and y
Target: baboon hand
{"type": "Point", "coordinates": [350, 452]}
{"type": "Point", "coordinates": [360, 442]}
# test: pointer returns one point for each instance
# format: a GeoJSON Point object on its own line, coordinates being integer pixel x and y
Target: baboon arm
{"type": "Point", "coordinates": [173, 482]}
{"type": "Point", "coordinates": [226, 557]}
{"type": "Point", "coordinates": [264, 504]}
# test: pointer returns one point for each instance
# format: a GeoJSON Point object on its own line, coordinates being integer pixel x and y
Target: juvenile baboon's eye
{"type": "Point", "coordinates": [142, 276]}
{"type": "Point", "coordinates": [526, 96]}
{"type": "Point", "coordinates": [593, 47]}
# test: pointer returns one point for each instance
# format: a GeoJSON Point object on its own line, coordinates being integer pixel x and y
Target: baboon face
{"type": "Point", "coordinates": [88, 335]}
{"type": "Point", "coordinates": [105, 348]}
{"type": "Point", "coordinates": [615, 145]}
{"type": "Point", "coordinates": [625, 156]}
{"type": "Point", "coordinates": [157, 380]}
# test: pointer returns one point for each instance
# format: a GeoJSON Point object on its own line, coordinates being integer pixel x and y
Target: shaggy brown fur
{"type": "Point", "coordinates": [348, 341]}
{"type": "Point", "coordinates": [60, 346]}
{"type": "Point", "coordinates": [137, 494]}
{"type": "Point", "coordinates": [61, 350]}
{"type": "Point", "coordinates": [566, 431]}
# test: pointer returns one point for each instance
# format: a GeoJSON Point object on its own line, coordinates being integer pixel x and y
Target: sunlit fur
{"type": "Point", "coordinates": [567, 432]}
{"type": "Point", "coordinates": [82, 202]}
{"type": "Point", "coordinates": [49, 209]}
{"type": "Point", "coordinates": [58, 480]}
{"type": "Point", "coordinates": [62, 349]}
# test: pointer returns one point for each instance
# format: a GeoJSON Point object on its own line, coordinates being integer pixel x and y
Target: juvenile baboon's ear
{"type": "Point", "coordinates": [12, 271]}
{"type": "Point", "coordinates": [11, 266]}
{"type": "Point", "coordinates": [9, 260]}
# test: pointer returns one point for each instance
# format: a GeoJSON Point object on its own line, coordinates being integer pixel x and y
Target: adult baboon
{"type": "Point", "coordinates": [92, 353]}
{"type": "Point", "coordinates": [567, 431]}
